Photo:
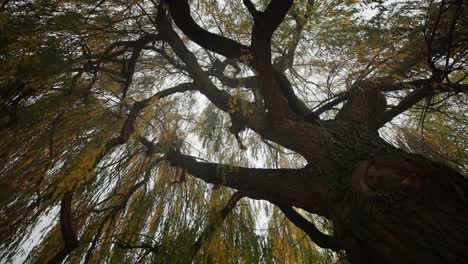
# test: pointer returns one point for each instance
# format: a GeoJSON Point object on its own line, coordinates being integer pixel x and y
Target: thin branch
{"type": "Point", "coordinates": [66, 227]}
{"type": "Point", "coordinates": [215, 223]}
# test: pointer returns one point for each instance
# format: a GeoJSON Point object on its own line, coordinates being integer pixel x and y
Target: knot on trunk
{"type": "Point", "coordinates": [365, 105]}
{"type": "Point", "coordinates": [386, 175]}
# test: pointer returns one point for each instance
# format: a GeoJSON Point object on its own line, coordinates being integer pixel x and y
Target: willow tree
{"type": "Point", "coordinates": [146, 130]}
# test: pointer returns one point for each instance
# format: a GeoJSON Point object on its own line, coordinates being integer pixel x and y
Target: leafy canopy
{"type": "Point", "coordinates": [92, 96]}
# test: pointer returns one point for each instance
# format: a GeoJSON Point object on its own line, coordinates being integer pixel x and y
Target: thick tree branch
{"type": "Point", "coordinates": [252, 10]}
{"type": "Point", "coordinates": [263, 29]}
{"type": "Point", "coordinates": [422, 88]}
{"type": "Point", "coordinates": [406, 104]}
{"type": "Point", "coordinates": [384, 85]}
{"type": "Point", "coordinates": [247, 112]}
{"type": "Point", "coordinates": [287, 59]}
{"type": "Point", "coordinates": [138, 43]}
{"type": "Point", "coordinates": [364, 105]}
{"type": "Point", "coordinates": [328, 106]}
{"type": "Point", "coordinates": [288, 185]}
{"type": "Point", "coordinates": [319, 238]}
{"type": "Point", "coordinates": [246, 82]}
{"type": "Point", "coordinates": [128, 70]}
{"type": "Point", "coordinates": [129, 66]}
{"type": "Point", "coordinates": [262, 32]}
{"type": "Point", "coordinates": [180, 12]}
{"type": "Point", "coordinates": [293, 102]}
{"type": "Point", "coordinates": [271, 18]}
{"type": "Point", "coordinates": [280, 124]}
{"type": "Point", "coordinates": [217, 70]}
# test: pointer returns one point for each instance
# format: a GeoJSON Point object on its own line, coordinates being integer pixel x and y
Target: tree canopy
{"type": "Point", "coordinates": [172, 131]}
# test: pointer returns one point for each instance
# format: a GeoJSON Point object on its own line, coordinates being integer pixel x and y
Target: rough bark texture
{"type": "Point", "coordinates": [401, 208]}
{"type": "Point", "coordinates": [387, 206]}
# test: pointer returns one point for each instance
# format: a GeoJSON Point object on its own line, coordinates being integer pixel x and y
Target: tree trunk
{"type": "Point", "coordinates": [386, 205]}
{"type": "Point", "coordinates": [402, 208]}
{"type": "Point", "coordinates": [389, 206]}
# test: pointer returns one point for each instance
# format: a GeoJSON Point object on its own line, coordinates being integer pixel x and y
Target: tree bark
{"type": "Point", "coordinates": [402, 208]}
{"type": "Point", "coordinates": [387, 206]}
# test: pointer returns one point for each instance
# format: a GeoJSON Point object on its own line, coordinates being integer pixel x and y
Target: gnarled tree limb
{"type": "Point", "coordinates": [268, 184]}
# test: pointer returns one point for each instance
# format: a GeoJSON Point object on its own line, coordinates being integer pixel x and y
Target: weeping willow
{"type": "Point", "coordinates": [95, 96]}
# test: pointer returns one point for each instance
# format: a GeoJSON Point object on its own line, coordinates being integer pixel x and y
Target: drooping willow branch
{"type": "Point", "coordinates": [216, 222]}
{"type": "Point", "coordinates": [69, 237]}
{"type": "Point", "coordinates": [117, 208]}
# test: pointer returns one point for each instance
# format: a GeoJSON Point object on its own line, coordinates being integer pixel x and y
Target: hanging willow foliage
{"type": "Point", "coordinates": [123, 141]}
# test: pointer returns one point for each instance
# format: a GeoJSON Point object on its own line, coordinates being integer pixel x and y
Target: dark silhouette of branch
{"type": "Point", "coordinates": [287, 58]}
{"type": "Point", "coordinates": [267, 184]}
{"type": "Point", "coordinates": [255, 119]}
{"type": "Point", "coordinates": [126, 131]}
{"type": "Point", "coordinates": [406, 104]}
{"type": "Point", "coordinates": [66, 227]}
{"type": "Point", "coordinates": [180, 12]}
{"type": "Point", "coordinates": [319, 238]}
{"type": "Point", "coordinates": [262, 32]}
{"type": "Point", "coordinates": [252, 10]}
{"type": "Point", "coordinates": [263, 29]}
{"type": "Point", "coordinates": [328, 106]}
